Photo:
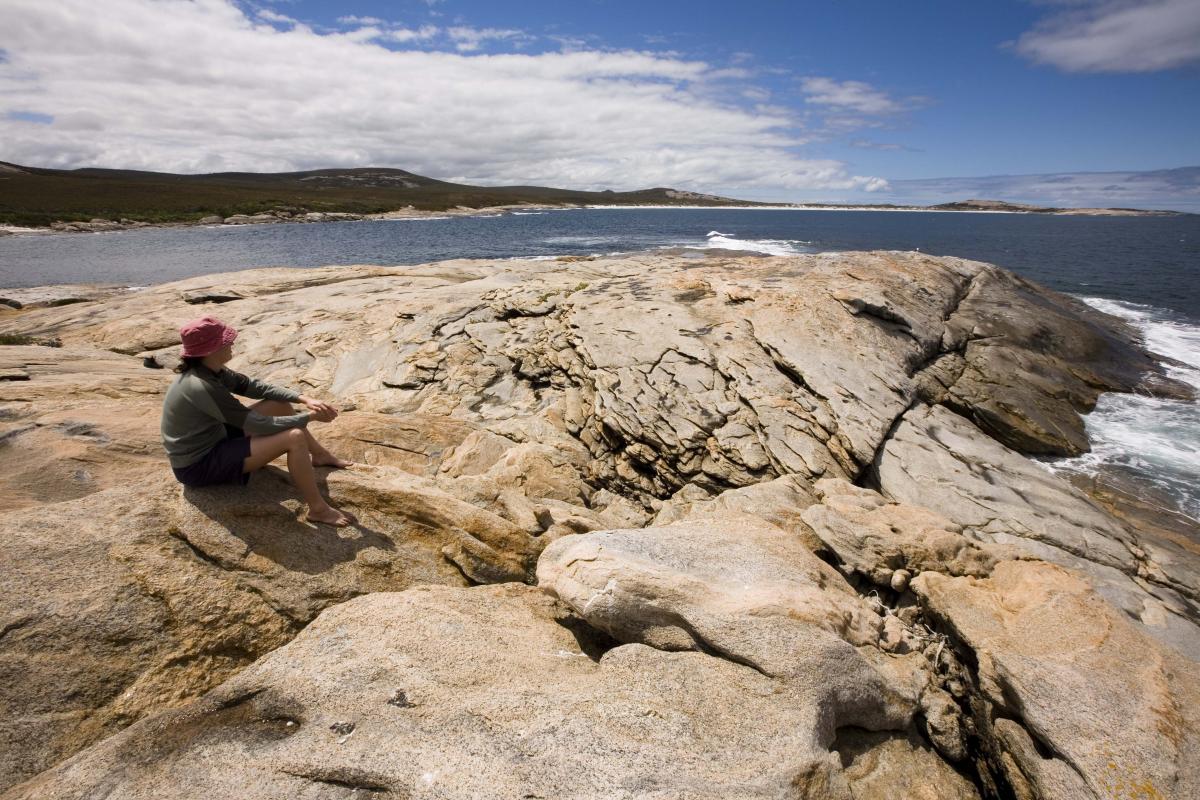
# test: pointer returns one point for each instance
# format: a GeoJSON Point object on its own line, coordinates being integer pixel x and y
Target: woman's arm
{"type": "Point", "coordinates": [219, 404]}
{"type": "Point", "coordinates": [238, 383]}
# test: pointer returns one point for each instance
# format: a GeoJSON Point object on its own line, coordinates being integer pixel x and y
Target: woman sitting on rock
{"type": "Point", "coordinates": [211, 438]}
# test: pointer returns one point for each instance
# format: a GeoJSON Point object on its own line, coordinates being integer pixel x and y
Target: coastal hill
{"type": "Point", "coordinates": [37, 197]}
{"type": "Point", "coordinates": [1000, 205]}
{"type": "Point", "coordinates": [106, 199]}
{"type": "Point", "coordinates": [640, 526]}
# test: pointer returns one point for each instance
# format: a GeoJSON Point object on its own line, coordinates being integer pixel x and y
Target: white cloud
{"type": "Point", "coordinates": [1117, 36]}
{"type": "Point", "coordinates": [468, 39]}
{"type": "Point", "coordinates": [369, 28]}
{"type": "Point", "coordinates": [421, 34]}
{"type": "Point", "coordinates": [354, 19]}
{"type": "Point", "coordinates": [846, 106]}
{"type": "Point", "coordinates": [849, 96]}
{"type": "Point", "coordinates": [274, 16]}
{"type": "Point", "coordinates": [200, 86]}
{"type": "Point", "coordinates": [867, 144]}
{"type": "Point", "coordinates": [572, 42]}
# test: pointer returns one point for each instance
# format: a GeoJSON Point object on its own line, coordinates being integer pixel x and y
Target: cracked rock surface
{"type": "Point", "coordinates": [1051, 654]}
{"type": "Point", "coordinates": [938, 460]}
{"type": "Point", "coordinates": [763, 527]}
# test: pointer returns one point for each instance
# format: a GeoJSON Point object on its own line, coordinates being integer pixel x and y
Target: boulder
{"type": "Point", "coordinates": [708, 584]}
{"type": "Point", "coordinates": [939, 460]}
{"type": "Point", "coordinates": [741, 589]}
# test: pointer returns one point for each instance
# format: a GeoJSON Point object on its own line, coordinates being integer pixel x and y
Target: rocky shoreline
{"type": "Point", "coordinates": [273, 217]}
{"type": "Point", "coordinates": [278, 216]}
{"type": "Point", "coordinates": [659, 525]}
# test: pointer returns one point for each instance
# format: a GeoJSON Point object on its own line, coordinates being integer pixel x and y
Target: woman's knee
{"type": "Point", "coordinates": [295, 437]}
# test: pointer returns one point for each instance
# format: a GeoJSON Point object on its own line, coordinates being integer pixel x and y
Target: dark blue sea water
{"type": "Point", "coordinates": [1145, 269]}
{"type": "Point", "coordinates": [1149, 260]}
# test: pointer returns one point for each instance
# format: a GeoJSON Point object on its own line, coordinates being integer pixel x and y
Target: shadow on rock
{"type": "Point", "coordinates": [259, 515]}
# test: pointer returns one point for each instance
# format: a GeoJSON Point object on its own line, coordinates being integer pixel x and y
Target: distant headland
{"type": "Point", "coordinates": [95, 200]}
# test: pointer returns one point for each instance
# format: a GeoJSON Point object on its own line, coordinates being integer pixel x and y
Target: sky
{"type": "Point", "coordinates": [1072, 102]}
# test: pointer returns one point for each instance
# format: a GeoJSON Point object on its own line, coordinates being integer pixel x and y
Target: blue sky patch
{"type": "Point", "coordinates": [856, 100]}
{"type": "Point", "coordinates": [30, 116]}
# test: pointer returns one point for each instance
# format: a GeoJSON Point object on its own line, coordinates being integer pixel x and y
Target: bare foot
{"type": "Point", "coordinates": [330, 460]}
{"type": "Point", "coordinates": [330, 516]}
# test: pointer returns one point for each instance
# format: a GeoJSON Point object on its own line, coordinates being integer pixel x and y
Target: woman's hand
{"type": "Point", "coordinates": [321, 411]}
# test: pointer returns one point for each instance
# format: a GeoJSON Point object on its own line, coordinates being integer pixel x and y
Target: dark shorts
{"type": "Point", "coordinates": [222, 464]}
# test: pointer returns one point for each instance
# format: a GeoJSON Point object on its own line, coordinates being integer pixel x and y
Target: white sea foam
{"type": "Point", "coordinates": [771, 247]}
{"type": "Point", "coordinates": [19, 229]}
{"type": "Point", "coordinates": [914, 210]}
{"type": "Point", "coordinates": [1153, 439]}
{"type": "Point", "coordinates": [1164, 332]}
{"type": "Point", "coordinates": [412, 219]}
{"type": "Point", "coordinates": [527, 213]}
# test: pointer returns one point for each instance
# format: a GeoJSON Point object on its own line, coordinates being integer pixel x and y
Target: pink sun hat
{"type": "Point", "coordinates": [204, 336]}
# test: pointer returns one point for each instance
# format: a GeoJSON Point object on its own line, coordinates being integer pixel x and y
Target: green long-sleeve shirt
{"type": "Point", "coordinates": [200, 403]}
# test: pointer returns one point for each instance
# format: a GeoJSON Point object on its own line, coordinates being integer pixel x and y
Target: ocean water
{"type": "Point", "coordinates": [1152, 440]}
{"type": "Point", "coordinates": [1145, 270]}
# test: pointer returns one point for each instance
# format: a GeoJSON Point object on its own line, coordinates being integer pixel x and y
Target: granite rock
{"type": "Point", "coordinates": [791, 631]}
{"type": "Point", "coordinates": [494, 691]}
{"type": "Point", "coordinates": [938, 460]}
{"type": "Point", "coordinates": [137, 598]}
{"type": "Point", "coordinates": [1074, 700]}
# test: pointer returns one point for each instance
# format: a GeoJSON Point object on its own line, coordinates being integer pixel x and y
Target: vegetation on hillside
{"type": "Point", "coordinates": [37, 197]}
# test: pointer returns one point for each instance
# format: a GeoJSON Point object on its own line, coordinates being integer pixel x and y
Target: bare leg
{"type": "Point", "coordinates": [265, 449]}
{"type": "Point", "coordinates": [320, 456]}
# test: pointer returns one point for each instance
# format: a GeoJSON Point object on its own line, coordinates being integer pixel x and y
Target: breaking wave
{"type": "Point", "coordinates": [771, 247]}
{"type": "Point", "coordinates": [1151, 439]}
